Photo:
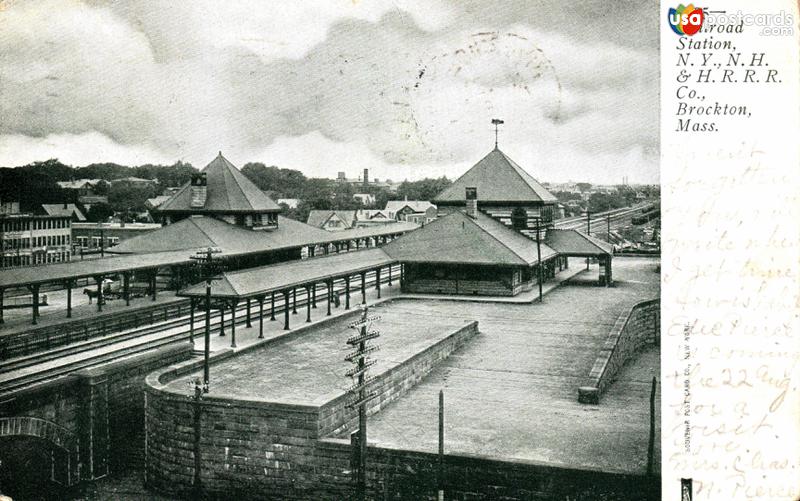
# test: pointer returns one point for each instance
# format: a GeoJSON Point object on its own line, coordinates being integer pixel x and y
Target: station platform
{"type": "Point", "coordinates": [511, 393]}
{"type": "Point", "coordinates": [55, 313]}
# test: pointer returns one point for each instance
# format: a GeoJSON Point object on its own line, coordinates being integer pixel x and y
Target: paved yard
{"type": "Point", "coordinates": [309, 368]}
{"type": "Point", "coordinates": [512, 391]}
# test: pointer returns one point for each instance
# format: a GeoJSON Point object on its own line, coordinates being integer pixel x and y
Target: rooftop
{"type": "Point", "coordinates": [458, 238]}
{"type": "Point", "coordinates": [415, 205]}
{"type": "Point", "coordinates": [228, 191]}
{"type": "Point", "coordinates": [498, 179]}
{"type": "Point", "coordinates": [318, 218]}
{"type": "Point", "coordinates": [31, 275]}
{"type": "Point", "coordinates": [261, 280]}
{"type": "Point", "coordinates": [576, 243]}
{"type": "Point", "coordinates": [78, 183]}
{"type": "Point", "coordinates": [203, 231]}
{"type": "Point", "coordinates": [66, 210]}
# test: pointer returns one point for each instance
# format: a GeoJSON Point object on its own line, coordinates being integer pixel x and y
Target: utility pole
{"type": "Point", "coordinates": [359, 390]}
{"type": "Point", "coordinates": [588, 229]}
{"type": "Point", "coordinates": [608, 221]}
{"type": "Point", "coordinates": [209, 268]}
{"type": "Point", "coordinates": [539, 255]}
{"type": "Point", "coordinates": [2, 241]}
{"type": "Point", "coordinates": [102, 238]}
{"type": "Point", "coordinates": [440, 470]}
{"type": "Point", "coordinates": [197, 412]}
{"type": "Point", "coordinates": [651, 441]}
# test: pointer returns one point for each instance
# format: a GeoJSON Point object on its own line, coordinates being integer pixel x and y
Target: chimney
{"type": "Point", "coordinates": [472, 202]}
{"type": "Point", "coordinates": [199, 190]}
{"type": "Point", "coordinates": [366, 177]}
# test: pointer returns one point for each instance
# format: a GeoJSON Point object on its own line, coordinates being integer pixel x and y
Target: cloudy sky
{"type": "Point", "coordinates": [406, 89]}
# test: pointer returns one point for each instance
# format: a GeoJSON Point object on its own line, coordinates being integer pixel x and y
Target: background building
{"type": "Point", "coordinates": [95, 236]}
{"type": "Point", "coordinates": [417, 211]}
{"type": "Point", "coordinates": [29, 239]}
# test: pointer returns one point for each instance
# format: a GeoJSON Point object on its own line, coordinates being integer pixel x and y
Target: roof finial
{"type": "Point", "coordinates": [220, 152]}
{"type": "Point", "coordinates": [496, 122]}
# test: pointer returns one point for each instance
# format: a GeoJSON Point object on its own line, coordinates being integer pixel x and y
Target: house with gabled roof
{"type": "Point", "coordinates": [332, 220]}
{"type": "Point", "coordinates": [402, 210]}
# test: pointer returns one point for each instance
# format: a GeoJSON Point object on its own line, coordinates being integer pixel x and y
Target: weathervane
{"type": "Point", "coordinates": [496, 122]}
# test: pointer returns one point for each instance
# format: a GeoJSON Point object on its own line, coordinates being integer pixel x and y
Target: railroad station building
{"type": "Point", "coordinates": [222, 192]}
{"type": "Point", "coordinates": [469, 253]}
{"type": "Point", "coordinates": [505, 192]}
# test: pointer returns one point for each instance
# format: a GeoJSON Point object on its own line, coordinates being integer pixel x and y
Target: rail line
{"type": "Point", "coordinates": [22, 372]}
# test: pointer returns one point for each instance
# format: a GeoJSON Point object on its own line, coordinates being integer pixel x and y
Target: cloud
{"type": "Point", "coordinates": [407, 87]}
{"type": "Point", "coordinates": [72, 149]}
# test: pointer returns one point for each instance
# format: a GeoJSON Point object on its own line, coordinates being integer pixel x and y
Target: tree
{"type": "Point", "coordinates": [128, 196]}
{"type": "Point", "coordinates": [285, 183]}
{"type": "Point", "coordinates": [424, 189]}
{"type": "Point", "coordinates": [99, 213]}
{"type": "Point", "coordinates": [584, 187]}
{"type": "Point", "coordinates": [31, 187]}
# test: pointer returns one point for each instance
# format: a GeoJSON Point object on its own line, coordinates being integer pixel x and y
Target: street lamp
{"type": "Point", "coordinates": [208, 270]}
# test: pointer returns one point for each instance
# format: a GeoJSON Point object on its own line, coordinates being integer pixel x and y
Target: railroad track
{"type": "Point", "coordinates": [22, 372]}
{"type": "Point", "coordinates": [600, 218]}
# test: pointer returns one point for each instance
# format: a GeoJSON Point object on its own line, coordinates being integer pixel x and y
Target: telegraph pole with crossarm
{"type": "Point", "coordinates": [360, 390]}
{"type": "Point", "coordinates": [210, 267]}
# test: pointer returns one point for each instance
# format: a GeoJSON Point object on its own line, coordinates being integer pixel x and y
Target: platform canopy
{"type": "Point", "coordinates": [498, 179]}
{"type": "Point", "coordinates": [576, 243]}
{"type": "Point", "coordinates": [73, 270]}
{"type": "Point", "coordinates": [202, 231]}
{"type": "Point", "coordinates": [460, 239]}
{"type": "Point", "coordinates": [175, 243]}
{"type": "Point", "coordinates": [257, 282]}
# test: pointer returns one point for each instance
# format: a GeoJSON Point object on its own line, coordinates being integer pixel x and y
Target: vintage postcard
{"type": "Point", "coordinates": [399, 250]}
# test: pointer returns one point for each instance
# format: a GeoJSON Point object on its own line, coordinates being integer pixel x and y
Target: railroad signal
{"type": "Point", "coordinates": [360, 389]}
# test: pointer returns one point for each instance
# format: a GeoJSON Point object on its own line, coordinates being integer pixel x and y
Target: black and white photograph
{"type": "Point", "coordinates": [324, 250]}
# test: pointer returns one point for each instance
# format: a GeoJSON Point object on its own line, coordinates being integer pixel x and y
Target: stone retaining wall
{"type": "Point", "coordinates": [403, 474]}
{"type": "Point", "coordinates": [632, 330]}
{"type": "Point", "coordinates": [102, 406]}
{"type": "Point", "coordinates": [258, 448]}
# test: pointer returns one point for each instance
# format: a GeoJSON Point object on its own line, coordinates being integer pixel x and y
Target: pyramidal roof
{"type": "Point", "coordinates": [498, 179]}
{"type": "Point", "coordinates": [199, 232]}
{"type": "Point", "coordinates": [228, 190]}
{"type": "Point", "coordinates": [458, 238]}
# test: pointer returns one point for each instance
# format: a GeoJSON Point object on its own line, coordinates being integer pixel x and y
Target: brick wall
{"type": "Point", "coordinates": [258, 448]}
{"type": "Point", "coordinates": [632, 330]}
